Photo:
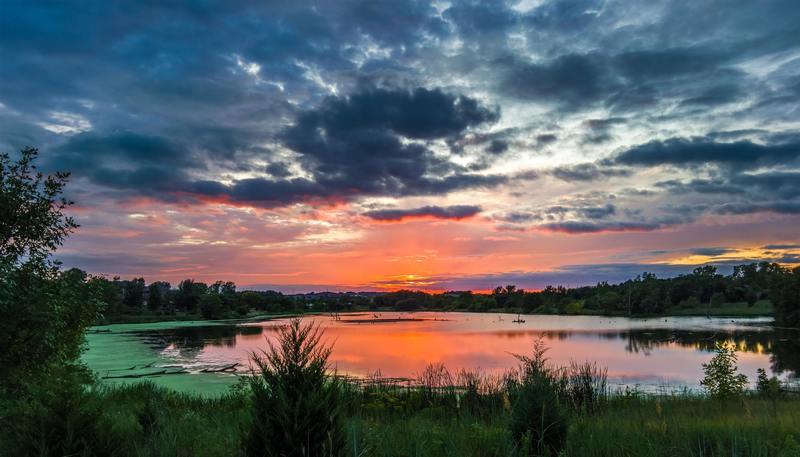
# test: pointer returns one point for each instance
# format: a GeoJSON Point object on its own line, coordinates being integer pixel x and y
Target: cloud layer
{"type": "Point", "coordinates": [190, 127]}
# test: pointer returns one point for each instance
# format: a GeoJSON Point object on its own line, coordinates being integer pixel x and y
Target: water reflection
{"type": "Point", "coordinates": [190, 341]}
{"type": "Point", "coordinates": [636, 351]}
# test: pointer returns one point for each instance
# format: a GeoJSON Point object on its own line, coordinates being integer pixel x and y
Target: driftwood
{"type": "Point", "coordinates": [145, 375]}
{"type": "Point", "coordinates": [165, 370]}
{"type": "Point", "coordinates": [225, 369]}
{"type": "Point", "coordinates": [149, 365]}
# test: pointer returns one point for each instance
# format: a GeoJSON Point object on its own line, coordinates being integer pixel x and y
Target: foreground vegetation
{"type": "Point", "coordinates": [145, 420]}
{"type": "Point", "coordinates": [293, 407]}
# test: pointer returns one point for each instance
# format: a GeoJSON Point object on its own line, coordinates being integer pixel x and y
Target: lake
{"type": "Point", "coordinates": [650, 354]}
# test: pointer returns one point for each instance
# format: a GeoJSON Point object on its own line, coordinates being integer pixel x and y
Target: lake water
{"type": "Point", "coordinates": [650, 354]}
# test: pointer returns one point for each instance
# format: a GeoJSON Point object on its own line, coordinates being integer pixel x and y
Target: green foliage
{"type": "Point", "coordinates": [538, 420]}
{"type": "Point", "coordinates": [57, 417]}
{"type": "Point", "coordinates": [133, 293]}
{"type": "Point", "coordinates": [44, 311]}
{"type": "Point", "coordinates": [211, 306]}
{"type": "Point", "coordinates": [787, 298]}
{"type": "Point", "coordinates": [683, 425]}
{"type": "Point", "coordinates": [157, 295]}
{"type": "Point", "coordinates": [768, 386]}
{"type": "Point", "coordinates": [32, 221]}
{"type": "Point", "coordinates": [189, 294]}
{"type": "Point", "coordinates": [722, 378]}
{"type": "Point", "coordinates": [296, 403]}
{"type": "Point", "coordinates": [717, 299]}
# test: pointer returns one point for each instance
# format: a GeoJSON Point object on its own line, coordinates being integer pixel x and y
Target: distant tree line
{"type": "Point", "coordinates": [646, 294]}
{"type": "Point", "coordinates": [214, 301]}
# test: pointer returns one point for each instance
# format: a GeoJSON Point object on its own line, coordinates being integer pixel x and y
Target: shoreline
{"type": "Point", "coordinates": [725, 311]}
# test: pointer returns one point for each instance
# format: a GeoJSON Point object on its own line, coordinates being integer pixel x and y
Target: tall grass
{"type": "Point", "coordinates": [688, 426]}
{"type": "Point", "coordinates": [384, 419]}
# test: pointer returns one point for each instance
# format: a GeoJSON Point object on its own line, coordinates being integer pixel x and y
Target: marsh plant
{"type": "Point", "coordinates": [297, 404]}
{"type": "Point", "coordinates": [538, 419]}
{"type": "Point", "coordinates": [722, 378]}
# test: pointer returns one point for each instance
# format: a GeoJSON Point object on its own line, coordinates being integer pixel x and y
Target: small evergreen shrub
{"type": "Point", "coordinates": [538, 421]}
{"type": "Point", "coordinates": [297, 405]}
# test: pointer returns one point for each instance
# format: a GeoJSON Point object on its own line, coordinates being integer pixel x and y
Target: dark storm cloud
{"type": "Point", "coordinates": [776, 184]}
{"type": "Point", "coordinates": [455, 212]}
{"type": "Point", "coordinates": [788, 258]}
{"type": "Point", "coordinates": [86, 150]}
{"type": "Point", "coordinates": [278, 170]}
{"type": "Point", "coordinates": [419, 114]}
{"type": "Point", "coordinates": [599, 130]}
{"type": "Point", "coordinates": [476, 18]}
{"type": "Point", "coordinates": [568, 275]}
{"type": "Point", "coordinates": [700, 151]}
{"type": "Point", "coordinates": [171, 99]}
{"type": "Point", "coordinates": [598, 212]}
{"type": "Point", "coordinates": [663, 64]}
{"type": "Point", "coordinates": [701, 186]}
{"type": "Point", "coordinates": [582, 227]}
{"type": "Point", "coordinates": [748, 208]}
{"type": "Point", "coordinates": [627, 81]}
{"type": "Point", "coordinates": [717, 95]}
{"type": "Point", "coordinates": [712, 252]}
{"type": "Point", "coordinates": [108, 263]}
{"type": "Point", "coordinates": [545, 139]}
{"type": "Point", "coordinates": [516, 217]}
{"type": "Point", "coordinates": [497, 147]}
{"type": "Point", "coordinates": [571, 80]}
{"type": "Point", "coordinates": [587, 172]}
{"type": "Point", "coordinates": [781, 246]}
{"type": "Point", "coordinates": [351, 146]}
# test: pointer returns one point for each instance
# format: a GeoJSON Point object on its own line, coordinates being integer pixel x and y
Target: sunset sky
{"type": "Point", "coordinates": [365, 145]}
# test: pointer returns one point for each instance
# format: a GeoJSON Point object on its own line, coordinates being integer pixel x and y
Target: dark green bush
{"type": "Point", "coordinates": [297, 405]}
{"type": "Point", "coordinates": [538, 420]}
{"type": "Point", "coordinates": [57, 417]}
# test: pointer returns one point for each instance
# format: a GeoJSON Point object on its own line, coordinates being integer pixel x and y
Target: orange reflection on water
{"type": "Point", "coordinates": [634, 350]}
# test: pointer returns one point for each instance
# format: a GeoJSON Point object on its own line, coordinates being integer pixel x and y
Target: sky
{"type": "Point", "coordinates": [370, 145]}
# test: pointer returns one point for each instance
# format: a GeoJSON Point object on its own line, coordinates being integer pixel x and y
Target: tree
{"type": "Point", "coordinates": [189, 293]}
{"type": "Point", "coordinates": [786, 298]}
{"type": "Point", "coordinates": [227, 292]}
{"type": "Point", "coordinates": [723, 379]}
{"type": "Point", "coordinates": [297, 410]}
{"type": "Point", "coordinates": [717, 299]}
{"type": "Point", "coordinates": [44, 312]}
{"type": "Point", "coordinates": [133, 293]}
{"type": "Point", "coordinates": [211, 306]}
{"type": "Point", "coordinates": [767, 386]}
{"type": "Point", "coordinates": [157, 293]}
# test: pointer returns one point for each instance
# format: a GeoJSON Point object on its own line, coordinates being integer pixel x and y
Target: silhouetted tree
{"type": "Point", "coordinates": [157, 295]}
{"type": "Point", "coordinates": [133, 293]}
{"type": "Point", "coordinates": [787, 298]}
{"type": "Point", "coordinates": [44, 311]}
{"type": "Point", "coordinates": [189, 293]}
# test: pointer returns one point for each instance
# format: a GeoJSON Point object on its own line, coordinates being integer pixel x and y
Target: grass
{"type": "Point", "coordinates": [689, 426]}
{"type": "Point", "coordinates": [760, 308]}
{"type": "Point", "coordinates": [146, 420]}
